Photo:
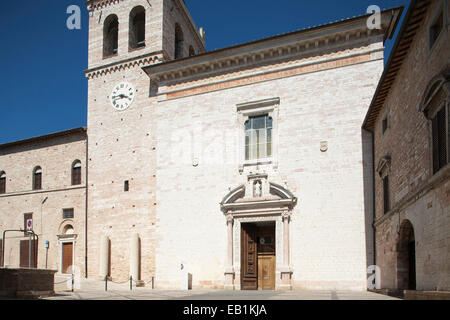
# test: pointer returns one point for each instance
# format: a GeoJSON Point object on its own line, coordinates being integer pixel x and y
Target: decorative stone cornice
{"type": "Point", "coordinates": [100, 4]}
{"type": "Point", "coordinates": [145, 60]}
{"type": "Point", "coordinates": [292, 46]}
{"type": "Point", "coordinates": [235, 202]}
{"type": "Point", "coordinates": [247, 61]}
{"type": "Point", "coordinates": [67, 236]}
{"type": "Point", "coordinates": [30, 192]}
{"type": "Point", "coordinates": [438, 83]}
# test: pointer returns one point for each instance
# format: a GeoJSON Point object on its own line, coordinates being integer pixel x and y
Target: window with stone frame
{"type": "Point", "coordinates": [435, 105]}
{"type": "Point", "coordinates": [441, 139]}
{"type": "Point", "coordinates": [68, 213]}
{"type": "Point", "coordinates": [37, 178]}
{"type": "Point", "coordinates": [258, 133]}
{"type": "Point", "coordinates": [384, 170]}
{"type": "Point", "coordinates": [258, 137]}
{"type": "Point", "coordinates": [2, 182]}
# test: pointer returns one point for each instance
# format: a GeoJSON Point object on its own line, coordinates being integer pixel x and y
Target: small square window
{"type": "Point", "coordinates": [126, 186]}
{"type": "Point", "coordinates": [68, 214]}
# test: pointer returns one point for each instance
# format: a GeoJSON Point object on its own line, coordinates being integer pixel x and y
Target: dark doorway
{"type": "Point", "coordinates": [406, 257]}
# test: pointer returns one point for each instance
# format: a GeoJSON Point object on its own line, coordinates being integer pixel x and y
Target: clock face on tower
{"type": "Point", "coordinates": [122, 96]}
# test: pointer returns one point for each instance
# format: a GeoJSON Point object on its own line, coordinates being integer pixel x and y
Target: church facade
{"type": "Point", "coordinates": [244, 167]}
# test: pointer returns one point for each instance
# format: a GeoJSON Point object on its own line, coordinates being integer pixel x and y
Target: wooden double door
{"type": "Point", "coordinates": [28, 253]}
{"type": "Point", "coordinates": [258, 257]}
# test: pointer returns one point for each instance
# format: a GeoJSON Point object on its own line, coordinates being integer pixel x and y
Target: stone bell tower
{"type": "Point", "coordinates": [124, 36]}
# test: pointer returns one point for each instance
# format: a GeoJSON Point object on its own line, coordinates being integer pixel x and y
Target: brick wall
{"type": "Point", "coordinates": [55, 156]}
{"type": "Point", "coordinates": [408, 140]}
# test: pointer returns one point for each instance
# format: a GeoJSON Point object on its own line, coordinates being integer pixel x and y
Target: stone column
{"type": "Point", "coordinates": [229, 271]}
{"type": "Point", "coordinates": [135, 260]}
{"type": "Point", "coordinates": [104, 258]}
{"type": "Point", "coordinates": [286, 271]}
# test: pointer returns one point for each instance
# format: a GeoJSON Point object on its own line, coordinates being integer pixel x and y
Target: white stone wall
{"type": "Point", "coordinates": [328, 228]}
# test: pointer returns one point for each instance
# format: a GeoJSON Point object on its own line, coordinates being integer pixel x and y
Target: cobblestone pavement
{"type": "Point", "coordinates": [88, 289]}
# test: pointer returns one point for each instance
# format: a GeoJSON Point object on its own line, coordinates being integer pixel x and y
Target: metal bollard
{"type": "Point", "coordinates": [153, 282]}
{"type": "Point", "coordinates": [106, 283]}
{"type": "Point", "coordinates": [131, 283]}
{"type": "Point", "coordinates": [73, 280]}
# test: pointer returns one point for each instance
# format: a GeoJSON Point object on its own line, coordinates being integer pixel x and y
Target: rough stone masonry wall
{"type": "Point", "coordinates": [328, 228]}
{"type": "Point", "coordinates": [408, 139]}
{"type": "Point", "coordinates": [55, 157]}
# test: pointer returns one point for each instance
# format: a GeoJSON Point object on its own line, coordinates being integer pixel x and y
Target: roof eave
{"type": "Point", "coordinates": [369, 125]}
{"type": "Point", "coordinates": [198, 59]}
{"type": "Point", "coordinates": [58, 134]}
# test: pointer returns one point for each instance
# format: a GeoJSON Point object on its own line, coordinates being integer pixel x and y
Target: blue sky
{"type": "Point", "coordinates": [42, 85]}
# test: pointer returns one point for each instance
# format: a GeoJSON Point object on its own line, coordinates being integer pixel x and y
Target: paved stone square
{"type": "Point", "coordinates": [95, 290]}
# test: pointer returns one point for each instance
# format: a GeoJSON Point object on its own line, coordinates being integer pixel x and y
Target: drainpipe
{"type": "Point", "coordinates": [86, 210]}
{"type": "Point", "coordinates": [372, 134]}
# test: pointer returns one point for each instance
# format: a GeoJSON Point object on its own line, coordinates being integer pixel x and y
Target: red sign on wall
{"type": "Point", "coordinates": [29, 224]}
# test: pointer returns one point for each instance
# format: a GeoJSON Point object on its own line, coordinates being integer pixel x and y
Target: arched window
{"type": "Point", "coordinates": [37, 178]}
{"type": "Point", "coordinates": [76, 172]}
{"type": "Point", "coordinates": [435, 105]}
{"type": "Point", "coordinates": [191, 51]}
{"type": "Point", "coordinates": [2, 182]}
{"type": "Point", "coordinates": [110, 35]}
{"type": "Point", "coordinates": [137, 28]}
{"type": "Point", "coordinates": [179, 39]}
